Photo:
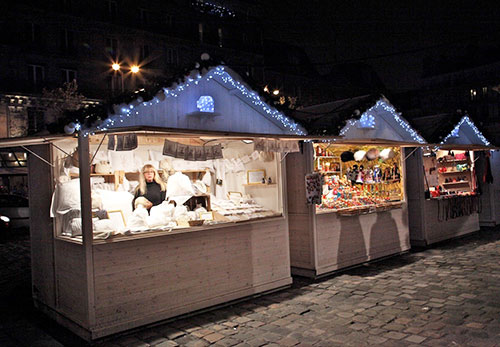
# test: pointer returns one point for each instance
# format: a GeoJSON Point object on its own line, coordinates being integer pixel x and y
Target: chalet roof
{"type": "Point", "coordinates": [329, 118]}
{"type": "Point", "coordinates": [223, 75]}
{"type": "Point", "coordinates": [440, 128]}
{"type": "Point", "coordinates": [367, 117]}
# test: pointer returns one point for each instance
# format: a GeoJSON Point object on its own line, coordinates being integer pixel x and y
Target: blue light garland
{"type": "Point", "coordinates": [205, 104]}
{"type": "Point", "coordinates": [221, 75]}
{"type": "Point", "coordinates": [367, 121]}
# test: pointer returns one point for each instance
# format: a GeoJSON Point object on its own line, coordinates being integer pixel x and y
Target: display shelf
{"type": "Point", "coordinates": [75, 175]}
{"type": "Point", "coordinates": [190, 171]}
{"type": "Point", "coordinates": [454, 172]}
{"type": "Point", "coordinates": [459, 182]}
{"type": "Point", "coordinates": [327, 156]}
{"type": "Point", "coordinates": [452, 161]}
{"type": "Point", "coordinates": [328, 172]}
{"type": "Point", "coordinates": [259, 184]}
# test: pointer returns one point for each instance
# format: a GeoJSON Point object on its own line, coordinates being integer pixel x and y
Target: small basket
{"type": "Point", "coordinates": [196, 223]}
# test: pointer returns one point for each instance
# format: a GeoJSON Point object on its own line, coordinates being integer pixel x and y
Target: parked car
{"type": "Point", "coordinates": [16, 209]}
{"type": "Point", "coordinates": [4, 224]}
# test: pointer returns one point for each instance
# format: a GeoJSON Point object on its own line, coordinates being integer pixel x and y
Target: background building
{"type": "Point", "coordinates": [47, 44]}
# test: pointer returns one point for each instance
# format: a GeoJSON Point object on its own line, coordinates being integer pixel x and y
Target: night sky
{"type": "Point", "coordinates": [393, 37]}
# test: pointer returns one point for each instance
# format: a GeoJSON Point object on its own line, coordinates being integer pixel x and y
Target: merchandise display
{"type": "Point", "coordinates": [358, 179]}
{"type": "Point", "coordinates": [198, 192]}
{"type": "Point", "coordinates": [449, 173]}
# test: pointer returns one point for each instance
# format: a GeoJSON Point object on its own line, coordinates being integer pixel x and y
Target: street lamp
{"type": "Point", "coordinates": [115, 66]}
{"type": "Point", "coordinates": [134, 69]}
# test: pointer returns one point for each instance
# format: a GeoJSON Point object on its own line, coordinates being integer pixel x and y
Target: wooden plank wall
{"type": "Point", "coordinates": [345, 241]}
{"type": "Point", "coordinates": [300, 215]}
{"type": "Point", "coordinates": [71, 281]}
{"type": "Point", "coordinates": [415, 188]}
{"type": "Point", "coordinates": [41, 233]}
{"type": "Point", "coordinates": [146, 280]}
{"type": "Point", "coordinates": [436, 230]}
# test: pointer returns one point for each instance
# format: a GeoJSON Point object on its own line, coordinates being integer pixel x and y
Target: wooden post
{"type": "Point", "coordinates": [41, 226]}
{"type": "Point", "coordinates": [86, 211]}
{"type": "Point", "coordinates": [309, 155]}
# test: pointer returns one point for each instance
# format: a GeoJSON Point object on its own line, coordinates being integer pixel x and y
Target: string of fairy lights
{"type": "Point", "coordinates": [174, 91]}
{"type": "Point", "coordinates": [455, 131]}
{"type": "Point", "coordinates": [369, 120]}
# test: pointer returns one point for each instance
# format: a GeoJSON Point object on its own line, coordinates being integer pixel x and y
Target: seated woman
{"type": "Point", "coordinates": [151, 190]}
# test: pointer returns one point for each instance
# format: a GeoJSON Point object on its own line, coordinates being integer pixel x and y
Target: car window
{"type": "Point", "coordinates": [13, 201]}
{"type": "Point", "coordinates": [4, 201]}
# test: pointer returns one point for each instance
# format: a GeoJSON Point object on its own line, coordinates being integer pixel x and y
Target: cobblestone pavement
{"type": "Point", "coordinates": [445, 296]}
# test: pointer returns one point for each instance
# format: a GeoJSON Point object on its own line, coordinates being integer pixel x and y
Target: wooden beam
{"type": "Point", "coordinates": [87, 234]}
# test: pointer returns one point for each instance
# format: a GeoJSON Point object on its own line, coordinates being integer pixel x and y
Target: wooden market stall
{"type": "Point", "coordinates": [443, 197]}
{"type": "Point", "coordinates": [488, 173]}
{"type": "Point", "coordinates": [100, 267]}
{"type": "Point", "coordinates": [360, 212]}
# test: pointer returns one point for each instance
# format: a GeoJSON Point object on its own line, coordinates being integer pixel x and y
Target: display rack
{"type": "Point", "coordinates": [462, 178]}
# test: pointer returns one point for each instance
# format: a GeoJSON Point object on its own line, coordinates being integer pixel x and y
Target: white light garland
{"type": "Point", "coordinates": [382, 104]}
{"type": "Point", "coordinates": [225, 78]}
{"type": "Point", "coordinates": [367, 121]}
{"type": "Point", "coordinates": [455, 131]}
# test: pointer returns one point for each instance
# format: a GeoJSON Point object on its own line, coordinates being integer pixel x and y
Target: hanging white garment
{"type": "Point", "coordinates": [220, 177]}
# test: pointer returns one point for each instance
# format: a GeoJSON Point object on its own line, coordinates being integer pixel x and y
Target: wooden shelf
{"type": "Point", "coordinates": [459, 182]}
{"type": "Point", "coordinates": [91, 175]}
{"type": "Point", "coordinates": [328, 171]}
{"type": "Point", "coordinates": [189, 171]}
{"type": "Point", "coordinates": [455, 172]}
{"type": "Point", "coordinates": [452, 161]}
{"type": "Point", "coordinates": [326, 156]}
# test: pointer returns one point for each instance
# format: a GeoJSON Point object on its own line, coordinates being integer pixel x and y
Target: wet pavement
{"type": "Point", "coordinates": [448, 295]}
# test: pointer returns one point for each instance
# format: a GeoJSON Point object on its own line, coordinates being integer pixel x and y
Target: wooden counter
{"type": "Point", "coordinates": [149, 279]}
{"type": "Point", "coordinates": [433, 229]}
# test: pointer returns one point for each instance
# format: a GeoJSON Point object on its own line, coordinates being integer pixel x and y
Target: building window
{"type": "Point", "coordinates": [66, 6]}
{"type": "Point", "coordinates": [68, 75]}
{"type": "Point", "coordinates": [485, 91]}
{"type": "Point", "coordinates": [219, 34]}
{"type": "Point", "coordinates": [112, 46]}
{"type": "Point", "coordinates": [115, 84]}
{"type": "Point", "coordinates": [67, 41]}
{"type": "Point", "coordinates": [35, 120]}
{"type": "Point", "coordinates": [473, 94]}
{"type": "Point", "coordinates": [200, 31]}
{"type": "Point", "coordinates": [145, 16]}
{"type": "Point", "coordinates": [35, 33]}
{"type": "Point", "coordinates": [172, 56]}
{"type": "Point", "coordinates": [169, 20]}
{"type": "Point", "coordinates": [112, 9]}
{"type": "Point", "coordinates": [145, 51]}
{"type": "Point", "coordinates": [36, 74]}
{"type": "Point", "coordinates": [12, 159]}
